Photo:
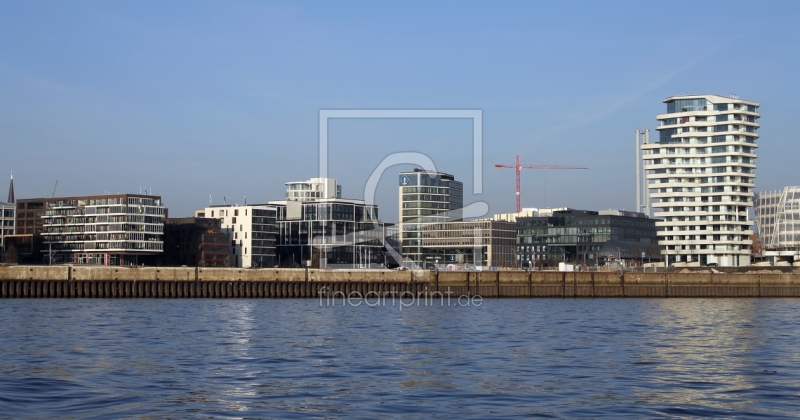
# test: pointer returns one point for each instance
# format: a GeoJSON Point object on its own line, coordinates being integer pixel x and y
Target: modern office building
{"type": "Point", "coordinates": [426, 198]}
{"type": "Point", "coordinates": [319, 228]}
{"type": "Point", "coordinates": [330, 233]}
{"type": "Point", "coordinates": [778, 220]}
{"type": "Point", "coordinates": [577, 236]}
{"type": "Point", "coordinates": [113, 229]}
{"type": "Point", "coordinates": [252, 230]}
{"type": "Point", "coordinates": [700, 177]}
{"type": "Point", "coordinates": [196, 242]}
{"type": "Point", "coordinates": [481, 244]}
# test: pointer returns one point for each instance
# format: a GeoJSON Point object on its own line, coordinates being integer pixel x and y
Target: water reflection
{"type": "Point", "coordinates": [284, 358]}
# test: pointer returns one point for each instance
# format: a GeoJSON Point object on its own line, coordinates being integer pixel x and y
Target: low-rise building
{"type": "Point", "coordinates": [252, 229]}
{"type": "Point", "coordinates": [482, 244]}
{"type": "Point", "coordinates": [568, 235]}
{"type": "Point", "coordinates": [196, 242]}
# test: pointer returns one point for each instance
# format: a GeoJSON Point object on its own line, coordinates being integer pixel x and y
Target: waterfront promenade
{"type": "Point", "coordinates": [168, 282]}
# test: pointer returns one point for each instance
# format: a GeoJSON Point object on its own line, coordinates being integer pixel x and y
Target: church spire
{"type": "Point", "coordinates": [11, 189]}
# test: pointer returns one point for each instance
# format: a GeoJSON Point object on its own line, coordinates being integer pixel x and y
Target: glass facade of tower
{"type": "Point", "coordinates": [426, 198]}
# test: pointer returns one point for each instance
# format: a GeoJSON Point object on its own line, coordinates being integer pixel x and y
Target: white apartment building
{"type": "Point", "coordinates": [700, 176]}
{"type": "Point", "coordinates": [252, 229]}
{"type": "Point", "coordinates": [114, 229]}
{"type": "Point", "coordinates": [778, 221]}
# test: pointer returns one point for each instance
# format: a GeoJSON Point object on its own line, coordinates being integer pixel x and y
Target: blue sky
{"type": "Point", "coordinates": [221, 98]}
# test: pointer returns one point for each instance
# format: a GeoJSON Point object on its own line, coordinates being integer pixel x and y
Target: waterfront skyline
{"type": "Point", "coordinates": [194, 100]}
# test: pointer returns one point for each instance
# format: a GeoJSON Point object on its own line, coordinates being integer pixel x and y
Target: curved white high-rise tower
{"type": "Point", "coordinates": [700, 175]}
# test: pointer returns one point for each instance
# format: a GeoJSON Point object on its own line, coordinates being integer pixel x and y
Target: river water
{"type": "Point", "coordinates": [521, 358]}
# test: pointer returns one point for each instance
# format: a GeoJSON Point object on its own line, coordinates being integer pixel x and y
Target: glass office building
{"type": "Point", "coordinates": [577, 236]}
{"type": "Point", "coordinates": [426, 198]}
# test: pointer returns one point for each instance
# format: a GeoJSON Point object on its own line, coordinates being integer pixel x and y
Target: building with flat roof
{"type": "Point", "coordinates": [196, 242]}
{"type": "Point", "coordinates": [113, 229]}
{"type": "Point", "coordinates": [778, 220]}
{"type": "Point", "coordinates": [252, 230]}
{"type": "Point", "coordinates": [700, 176]}
{"type": "Point", "coordinates": [482, 244]}
{"type": "Point", "coordinates": [330, 233]}
{"type": "Point", "coordinates": [577, 236]}
{"type": "Point", "coordinates": [425, 198]}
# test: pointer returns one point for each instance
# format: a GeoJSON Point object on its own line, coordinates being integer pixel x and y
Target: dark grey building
{"type": "Point", "coordinates": [577, 236]}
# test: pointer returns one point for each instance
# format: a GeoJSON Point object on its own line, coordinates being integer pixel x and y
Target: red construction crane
{"type": "Point", "coordinates": [519, 167]}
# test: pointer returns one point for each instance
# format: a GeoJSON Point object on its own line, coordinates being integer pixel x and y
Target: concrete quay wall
{"type": "Point", "coordinates": [94, 281]}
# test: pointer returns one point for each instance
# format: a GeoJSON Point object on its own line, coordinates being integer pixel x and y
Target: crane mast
{"type": "Point", "coordinates": [518, 168]}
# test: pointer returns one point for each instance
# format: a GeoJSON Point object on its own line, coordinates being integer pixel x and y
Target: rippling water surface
{"type": "Point", "coordinates": [507, 358]}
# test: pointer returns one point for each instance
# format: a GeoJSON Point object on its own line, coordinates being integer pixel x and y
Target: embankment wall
{"type": "Point", "coordinates": [183, 282]}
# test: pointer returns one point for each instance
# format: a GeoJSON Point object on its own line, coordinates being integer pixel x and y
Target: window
{"type": "Point", "coordinates": [236, 212]}
{"type": "Point", "coordinates": [718, 139]}
{"type": "Point", "coordinates": [212, 213]}
{"type": "Point", "coordinates": [234, 219]}
{"type": "Point", "coordinates": [719, 128]}
{"type": "Point", "coordinates": [720, 107]}
{"type": "Point", "coordinates": [719, 149]}
{"type": "Point", "coordinates": [718, 159]}
{"type": "Point", "coordinates": [722, 118]}
{"type": "Point", "coordinates": [665, 136]}
{"type": "Point", "coordinates": [686, 105]}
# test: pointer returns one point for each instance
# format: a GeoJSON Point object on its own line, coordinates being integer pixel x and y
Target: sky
{"type": "Point", "coordinates": [208, 101]}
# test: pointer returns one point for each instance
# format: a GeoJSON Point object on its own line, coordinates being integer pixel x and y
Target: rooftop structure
{"type": "Point", "coordinates": [313, 189]}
